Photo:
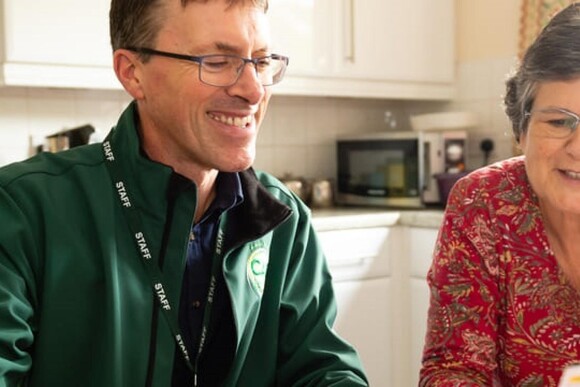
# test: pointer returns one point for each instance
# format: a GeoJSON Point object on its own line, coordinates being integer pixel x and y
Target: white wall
{"type": "Point", "coordinates": [487, 49]}
{"type": "Point", "coordinates": [487, 29]}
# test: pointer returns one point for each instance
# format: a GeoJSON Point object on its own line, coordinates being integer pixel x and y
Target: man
{"type": "Point", "coordinates": [159, 257]}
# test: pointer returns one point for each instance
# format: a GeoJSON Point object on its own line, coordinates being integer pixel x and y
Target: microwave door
{"type": "Point", "coordinates": [433, 163]}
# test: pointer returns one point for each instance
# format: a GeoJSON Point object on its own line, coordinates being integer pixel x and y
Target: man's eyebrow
{"type": "Point", "coordinates": [229, 49]}
{"type": "Point", "coordinates": [223, 47]}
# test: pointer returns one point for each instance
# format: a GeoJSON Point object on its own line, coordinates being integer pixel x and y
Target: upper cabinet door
{"type": "Point", "coordinates": [60, 43]}
{"type": "Point", "coordinates": [366, 48]}
{"type": "Point", "coordinates": [303, 31]}
{"type": "Point", "coordinates": [57, 32]}
{"type": "Point", "coordinates": [398, 40]}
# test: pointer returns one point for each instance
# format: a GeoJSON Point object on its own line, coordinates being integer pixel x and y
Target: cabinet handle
{"type": "Point", "coordinates": [427, 159]}
{"type": "Point", "coordinates": [349, 31]}
{"type": "Point", "coordinates": [357, 261]}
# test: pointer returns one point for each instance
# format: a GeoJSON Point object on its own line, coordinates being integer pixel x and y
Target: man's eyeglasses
{"type": "Point", "coordinates": [554, 122]}
{"type": "Point", "coordinates": [225, 70]}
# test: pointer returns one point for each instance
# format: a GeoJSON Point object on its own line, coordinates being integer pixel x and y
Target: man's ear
{"type": "Point", "coordinates": [128, 70]}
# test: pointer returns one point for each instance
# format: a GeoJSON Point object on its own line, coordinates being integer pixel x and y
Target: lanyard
{"type": "Point", "coordinates": [132, 215]}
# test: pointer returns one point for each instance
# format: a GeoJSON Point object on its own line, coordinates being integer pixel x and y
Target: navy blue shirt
{"type": "Point", "coordinates": [197, 276]}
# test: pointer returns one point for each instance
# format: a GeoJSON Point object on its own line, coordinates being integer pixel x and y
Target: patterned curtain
{"type": "Point", "coordinates": [535, 15]}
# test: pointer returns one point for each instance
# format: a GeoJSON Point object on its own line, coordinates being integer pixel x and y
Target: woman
{"type": "Point", "coordinates": [505, 280]}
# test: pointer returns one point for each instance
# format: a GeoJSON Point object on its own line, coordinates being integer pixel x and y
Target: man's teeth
{"type": "Point", "coordinates": [573, 175]}
{"type": "Point", "coordinates": [241, 122]}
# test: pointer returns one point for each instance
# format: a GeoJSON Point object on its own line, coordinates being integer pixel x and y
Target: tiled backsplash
{"type": "Point", "coordinates": [298, 135]}
{"type": "Point", "coordinates": [480, 89]}
{"type": "Point", "coordinates": [27, 114]}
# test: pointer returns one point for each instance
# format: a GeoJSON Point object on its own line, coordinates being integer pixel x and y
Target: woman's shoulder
{"type": "Point", "coordinates": [513, 169]}
{"type": "Point", "coordinates": [496, 185]}
{"type": "Point", "coordinates": [498, 177]}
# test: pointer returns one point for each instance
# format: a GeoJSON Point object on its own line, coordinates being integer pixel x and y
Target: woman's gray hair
{"type": "Point", "coordinates": [553, 56]}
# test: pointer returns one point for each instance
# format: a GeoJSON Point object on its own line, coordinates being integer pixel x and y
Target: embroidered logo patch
{"type": "Point", "coordinates": [256, 269]}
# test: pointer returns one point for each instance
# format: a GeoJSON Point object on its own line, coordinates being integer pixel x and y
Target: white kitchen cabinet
{"type": "Point", "coordinates": [360, 263]}
{"type": "Point", "coordinates": [421, 243]}
{"type": "Point", "coordinates": [379, 262]}
{"type": "Point", "coordinates": [364, 320]}
{"type": "Point", "coordinates": [399, 40]}
{"type": "Point", "coordinates": [366, 48]}
{"type": "Point", "coordinates": [301, 30]}
{"type": "Point", "coordinates": [60, 43]}
{"type": "Point", "coordinates": [349, 48]}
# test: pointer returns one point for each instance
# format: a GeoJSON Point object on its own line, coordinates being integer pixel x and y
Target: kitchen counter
{"type": "Point", "coordinates": [357, 217]}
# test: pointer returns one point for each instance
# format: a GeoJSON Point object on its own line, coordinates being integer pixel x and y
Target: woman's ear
{"type": "Point", "coordinates": [127, 68]}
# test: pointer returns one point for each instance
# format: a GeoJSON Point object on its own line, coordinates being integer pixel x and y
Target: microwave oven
{"type": "Point", "coordinates": [397, 169]}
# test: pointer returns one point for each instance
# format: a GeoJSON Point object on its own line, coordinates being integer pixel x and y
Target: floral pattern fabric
{"type": "Point", "coordinates": [501, 311]}
{"type": "Point", "coordinates": [535, 14]}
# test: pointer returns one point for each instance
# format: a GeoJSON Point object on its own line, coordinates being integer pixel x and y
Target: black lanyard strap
{"type": "Point", "coordinates": [135, 222]}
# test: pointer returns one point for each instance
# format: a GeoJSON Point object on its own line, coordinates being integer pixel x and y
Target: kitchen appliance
{"type": "Point", "coordinates": [322, 195]}
{"type": "Point", "coordinates": [67, 138]}
{"type": "Point", "coordinates": [298, 185]}
{"type": "Point", "coordinates": [446, 181]}
{"type": "Point", "coordinates": [397, 169]}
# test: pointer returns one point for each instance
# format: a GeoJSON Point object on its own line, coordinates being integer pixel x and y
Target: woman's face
{"type": "Point", "coordinates": [552, 146]}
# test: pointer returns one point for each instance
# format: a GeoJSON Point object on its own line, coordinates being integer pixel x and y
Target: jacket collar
{"type": "Point", "coordinates": [259, 212]}
{"type": "Point", "coordinates": [148, 179]}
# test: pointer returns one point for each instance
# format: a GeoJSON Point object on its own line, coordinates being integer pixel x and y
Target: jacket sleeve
{"type": "Point", "coordinates": [311, 353]}
{"type": "Point", "coordinates": [462, 330]}
{"type": "Point", "coordinates": [16, 289]}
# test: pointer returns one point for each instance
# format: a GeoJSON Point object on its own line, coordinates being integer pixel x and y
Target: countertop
{"type": "Point", "coordinates": [357, 217]}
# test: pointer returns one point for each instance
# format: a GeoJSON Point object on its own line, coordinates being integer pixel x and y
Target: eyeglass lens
{"type": "Point", "coordinates": [554, 123]}
{"type": "Point", "coordinates": [224, 70]}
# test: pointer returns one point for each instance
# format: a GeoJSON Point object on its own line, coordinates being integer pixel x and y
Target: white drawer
{"type": "Point", "coordinates": [357, 253]}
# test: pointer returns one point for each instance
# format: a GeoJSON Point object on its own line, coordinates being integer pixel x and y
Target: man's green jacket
{"type": "Point", "coordinates": [77, 307]}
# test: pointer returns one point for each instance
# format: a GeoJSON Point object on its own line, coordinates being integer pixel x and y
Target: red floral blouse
{"type": "Point", "coordinates": [501, 311]}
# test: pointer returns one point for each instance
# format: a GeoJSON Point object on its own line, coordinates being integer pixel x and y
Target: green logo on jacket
{"type": "Point", "coordinates": [257, 266]}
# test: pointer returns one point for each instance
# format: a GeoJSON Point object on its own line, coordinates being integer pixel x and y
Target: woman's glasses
{"type": "Point", "coordinates": [553, 122]}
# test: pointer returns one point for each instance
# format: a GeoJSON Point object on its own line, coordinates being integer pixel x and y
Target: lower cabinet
{"type": "Point", "coordinates": [420, 242]}
{"type": "Point", "coordinates": [418, 325]}
{"type": "Point", "coordinates": [364, 320]}
{"type": "Point", "coordinates": [360, 261]}
{"type": "Point", "coordinates": [379, 277]}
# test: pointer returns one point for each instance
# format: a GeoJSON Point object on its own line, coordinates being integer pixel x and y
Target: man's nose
{"type": "Point", "coordinates": [248, 86]}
